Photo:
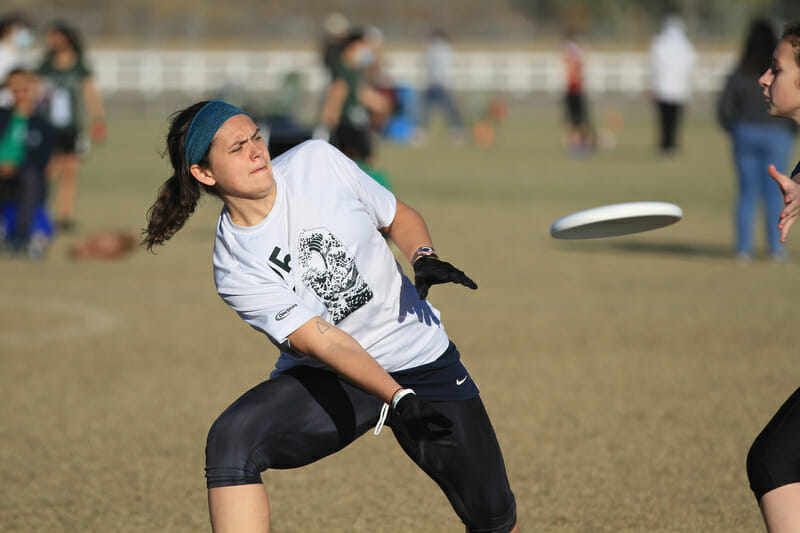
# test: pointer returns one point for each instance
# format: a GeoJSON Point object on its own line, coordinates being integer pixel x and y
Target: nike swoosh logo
{"type": "Point", "coordinates": [460, 381]}
{"type": "Point", "coordinates": [283, 314]}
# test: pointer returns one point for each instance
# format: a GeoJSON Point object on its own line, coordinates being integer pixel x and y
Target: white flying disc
{"type": "Point", "coordinates": [614, 220]}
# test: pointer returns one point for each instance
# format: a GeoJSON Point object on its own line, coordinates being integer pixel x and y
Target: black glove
{"type": "Point", "coordinates": [415, 422]}
{"type": "Point", "coordinates": [430, 270]}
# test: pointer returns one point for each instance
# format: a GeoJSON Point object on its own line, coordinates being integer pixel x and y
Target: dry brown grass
{"type": "Point", "coordinates": [626, 378]}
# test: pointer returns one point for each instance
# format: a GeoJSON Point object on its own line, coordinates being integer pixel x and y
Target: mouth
{"type": "Point", "coordinates": [259, 169]}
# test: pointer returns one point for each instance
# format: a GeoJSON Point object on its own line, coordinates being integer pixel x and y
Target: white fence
{"type": "Point", "coordinates": [154, 72]}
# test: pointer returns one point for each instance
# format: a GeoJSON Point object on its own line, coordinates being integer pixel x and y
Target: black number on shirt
{"type": "Point", "coordinates": [283, 264]}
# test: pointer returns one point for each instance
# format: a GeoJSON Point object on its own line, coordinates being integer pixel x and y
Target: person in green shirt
{"type": "Point", "coordinates": [72, 94]}
{"type": "Point", "coordinates": [26, 143]}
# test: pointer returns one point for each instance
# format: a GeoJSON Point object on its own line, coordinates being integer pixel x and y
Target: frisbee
{"type": "Point", "coordinates": [614, 220]}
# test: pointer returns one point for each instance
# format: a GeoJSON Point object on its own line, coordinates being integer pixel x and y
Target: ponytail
{"type": "Point", "coordinates": [176, 201]}
{"type": "Point", "coordinates": [178, 196]}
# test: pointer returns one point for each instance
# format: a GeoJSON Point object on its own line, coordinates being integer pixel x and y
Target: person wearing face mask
{"type": "Point", "coordinates": [16, 38]}
{"type": "Point", "coordinates": [351, 104]}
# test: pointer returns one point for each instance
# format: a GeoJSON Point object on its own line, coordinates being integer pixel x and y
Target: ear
{"type": "Point", "coordinates": [203, 175]}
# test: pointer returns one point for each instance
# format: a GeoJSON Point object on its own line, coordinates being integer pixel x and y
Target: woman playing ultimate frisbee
{"type": "Point", "coordinates": [773, 464]}
{"type": "Point", "coordinates": [300, 255]}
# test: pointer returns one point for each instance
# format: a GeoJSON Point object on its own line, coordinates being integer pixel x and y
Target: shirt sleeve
{"type": "Point", "coordinates": [261, 299]}
{"type": "Point", "coordinates": [379, 201]}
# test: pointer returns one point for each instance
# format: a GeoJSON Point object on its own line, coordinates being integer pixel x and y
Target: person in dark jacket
{"type": "Point", "coordinates": [759, 140]}
{"type": "Point", "coordinates": [26, 143]}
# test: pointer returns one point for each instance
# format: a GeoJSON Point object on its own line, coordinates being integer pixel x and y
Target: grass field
{"type": "Point", "coordinates": [626, 378]}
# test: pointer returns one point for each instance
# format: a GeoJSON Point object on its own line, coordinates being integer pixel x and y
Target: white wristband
{"type": "Point", "coordinates": [400, 395]}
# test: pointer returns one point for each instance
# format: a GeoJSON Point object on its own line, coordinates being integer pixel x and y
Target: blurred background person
{"type": "Point", "coordinates": [672, 58]}
{"type": "Point", "coordinates": [26, 143]}
{"type": "Point", "coordinates": [335, 27]}
{"type": "Point", "coordinates": [579, 140]}
{"type": "Point", "coordinates": [16, 38]}
{"type": "Point", "coordinates": [71, 94]}
{"type": "Point", "coordinates": [352, 106]}
{"type": "Point", "coordinates": [758, 140]}
{"type": "Point", "coordinates": [437, 93]}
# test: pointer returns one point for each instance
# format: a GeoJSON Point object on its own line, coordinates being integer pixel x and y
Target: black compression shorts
{"type": "Point", "coordinates": [305, 414]}
{"type": "Point", "coordinates": [774, 458]}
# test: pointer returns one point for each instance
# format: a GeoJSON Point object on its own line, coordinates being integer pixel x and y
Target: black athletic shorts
{"type": "Point", "coordinates": [576, 109]}
{"type": "Point", "coordinates": [304, 414]}
{"type": "Point", "coordinates": [66, 141]}
{"type": "Point", "coordinates": [774, 457]}
{"type": "Point", "coordinates": [354, 142]}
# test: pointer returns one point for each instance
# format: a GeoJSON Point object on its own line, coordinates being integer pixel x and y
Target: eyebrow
{"type": "Point", "coordinates": [241, 142]}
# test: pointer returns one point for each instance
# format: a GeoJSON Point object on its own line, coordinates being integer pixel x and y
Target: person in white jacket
{"type": "Point", "coordinates": [672, 58]}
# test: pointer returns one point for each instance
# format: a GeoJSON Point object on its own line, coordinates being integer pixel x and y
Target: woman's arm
{"type": "Point", "coordinates": [345, 356]}
{"type": "Point", "coordinates": [409, 233]}
{"type": "Point", "coordinates": [94, 106]}
{"type": "Point", "coordinates": [334, 101]}
{"type": "Point", "coordinates": [408, 230]}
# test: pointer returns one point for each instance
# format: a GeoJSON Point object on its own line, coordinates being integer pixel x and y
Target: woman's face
{"type": "Point", "coordinates": [240, 167]}
{"type": "Point", "coordinates": [23, 86]}
{"type": "Point", "coordinates": [781, 83]}
{"type": "Point", "coordinates": [57, 41]}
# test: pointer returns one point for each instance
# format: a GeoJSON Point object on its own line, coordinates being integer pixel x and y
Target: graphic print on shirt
{"type": "Point", "coordinates": [328, 269]}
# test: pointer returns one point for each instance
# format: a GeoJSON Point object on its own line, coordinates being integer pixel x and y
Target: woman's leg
{"type": "Point", "coordinates": [773, 467]}
{"type": "Point", "coordinates": [779, 144]}
{"type": "Point", "coordinates": [781, 509]}
{"type": "Point", "coordinates": [748, 169]}
{"type": "Point", "coordinates": [289, 421]}
{"type": "Point", "coordinates": [239, 509]}
{"type": "Point", "coordinates": [472, 474]}
{"type": "Point", "coordinates": [67, 188]}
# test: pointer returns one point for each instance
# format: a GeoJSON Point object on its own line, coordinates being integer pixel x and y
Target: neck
{"type": "Point", "coordinates": [250, 212]}
{"type": "Point", "coordinates": [23, 111]}
{"type": "Point", "coordinates": [65, 58]}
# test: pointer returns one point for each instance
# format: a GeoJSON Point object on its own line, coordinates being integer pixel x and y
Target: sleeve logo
{"type": "Point", "coordinates": [284, 313]}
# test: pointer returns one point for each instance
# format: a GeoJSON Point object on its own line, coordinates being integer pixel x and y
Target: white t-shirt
{"type": "Point", "coordinates": [672, 58]}
{"type": "Point", "coordinates": [319, 253]}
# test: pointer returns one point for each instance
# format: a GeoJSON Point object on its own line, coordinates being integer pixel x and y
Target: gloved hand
{"type": "Point", "coordinates": [414, 420]}
{"type": "Point", "coordinates": [430, 270]}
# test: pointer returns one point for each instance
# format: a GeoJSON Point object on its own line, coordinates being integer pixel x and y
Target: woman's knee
{"type": "Point", "coordinates": [229, 452]}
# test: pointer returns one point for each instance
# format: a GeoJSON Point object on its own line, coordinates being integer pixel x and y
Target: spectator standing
{"type": "Point", "coordinates": [351, 104]}
{"type": "Point", "coordinates": [579, 139]}
{"type": "Point", "coordinates": [71, 94]}
{"type": "Point", "coordinates": [672, 58]}
{"type": "Point", "coordinates": [438, 94]}
{"type": "Point", "coordinates": [759, 140]}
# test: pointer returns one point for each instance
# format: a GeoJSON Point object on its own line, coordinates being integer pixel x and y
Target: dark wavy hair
{"type": "Point", "coordinates": [760, 43]}
{"type": "Point", "coordinates": [178, 196]}
{"type": "Point", "coordinates": [70, 34]}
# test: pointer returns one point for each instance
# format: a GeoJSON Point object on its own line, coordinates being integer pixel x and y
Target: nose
{"type": "Point", "coordinates": [766, 78]}
{"type": "Point", "coordinates": [255, 151]}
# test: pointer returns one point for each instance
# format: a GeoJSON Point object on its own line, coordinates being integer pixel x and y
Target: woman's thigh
{"type": "Point", "coordinates": [294, 419]}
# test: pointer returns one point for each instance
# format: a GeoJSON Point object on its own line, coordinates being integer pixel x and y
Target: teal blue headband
{"type": "Point", "coordinates": [203, 127]}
